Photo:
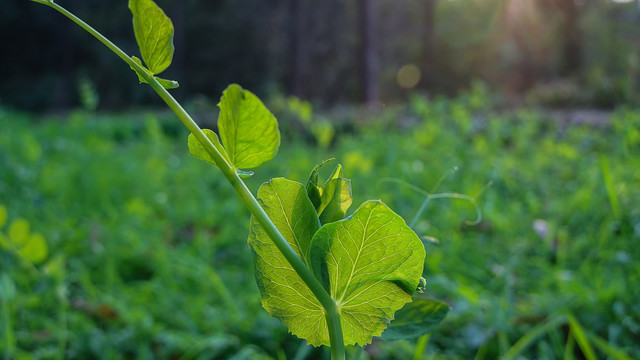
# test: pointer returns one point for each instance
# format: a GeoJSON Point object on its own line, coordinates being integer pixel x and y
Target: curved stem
{"type": "Point", "coordinates": [357, 353]}
{"type": "Point", "coordinates": [332, 315]}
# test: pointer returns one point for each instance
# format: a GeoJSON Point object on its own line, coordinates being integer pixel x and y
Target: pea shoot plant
{"type": "Point", "coordinates": [333, 279]}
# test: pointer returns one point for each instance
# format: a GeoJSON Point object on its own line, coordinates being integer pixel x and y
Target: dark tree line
{"type": "Point", "coordinates": [328, 51]}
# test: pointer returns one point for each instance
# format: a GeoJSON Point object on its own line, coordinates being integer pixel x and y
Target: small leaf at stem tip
{"type": "Point", "coordinates": [197, 150]}
{"type": "Point", "coordinates": [167, 84]}
{"type": "Point", "coordinates": [336, 200]}
{"type": "Point", "coordinates": [248, 130]}
{"type": "Point", "coordinates": [313, 184]}
{"type": "Point", "coordinates": [154, 34]}
{"type": "Point", "coordinates": [333, 199]}
{"type": "Point", "coordinates": [417, 318]}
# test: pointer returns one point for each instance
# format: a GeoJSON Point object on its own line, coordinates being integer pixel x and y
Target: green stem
{"type": "Point", "coordinates": [421, 346]}
{"type": "Point", "coordinates": [332, 315]}
{"type": "Point", "coordinates": [357, 353]}
{"type": "Point", "coordinates": [8, 329]}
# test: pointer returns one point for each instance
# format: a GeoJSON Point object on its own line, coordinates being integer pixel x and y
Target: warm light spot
{"type": "Point", "coordinates": [408, 76]}
{"type": "Point", "coordinates": [622, 1]}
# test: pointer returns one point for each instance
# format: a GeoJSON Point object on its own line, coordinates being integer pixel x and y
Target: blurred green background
{"type": "Point", "coordinates": [114, 243]}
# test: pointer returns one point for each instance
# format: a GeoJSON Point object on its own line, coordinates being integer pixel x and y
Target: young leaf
{"type": "Point", "coordinates": [333, 199]}
{"type": "Point", "coordinates": [248, 130]}
{"type": "Point", "coordinates": [284, 295]}
{"type": "Point", "coordinates": [313, 184]}
{"type": "Point", "coordinates": [415, 319]}
{"type": "Point", "coordinates": [371, 265]}
{"type": "Point", "coordinates": [336, 200]}
{"type": "Point", "coordinates": [168, 84]}
{"type": "Point", "coordinates": [196, 149]}
{"type": "Point", "coordinates": [154, 34]}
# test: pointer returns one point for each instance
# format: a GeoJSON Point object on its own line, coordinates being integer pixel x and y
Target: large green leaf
{"type": "Point", "coordinates": [248, 130]}
{"type": "Point", "coordinates": [197, 150]}
{"type": "Point", "coordinates": [333, 198]}
{"type": "Point", "coordinates": [415, 319]}
{"type": "Point", "coordinates": [154, 34]}
{"type": "Point", "coordinates": [284, 294]}
{"type": "Point", "coordinates": [371, 264]}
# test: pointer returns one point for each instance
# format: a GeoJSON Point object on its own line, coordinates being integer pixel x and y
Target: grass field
{"type": "Point", "coordinates": [145, 255]}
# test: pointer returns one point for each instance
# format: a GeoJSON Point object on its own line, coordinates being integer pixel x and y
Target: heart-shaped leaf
{"type": "Point", "coordinates": [371, 264]}
{"type": "Point", "coordinates": [284, 295]}
{"type": "Point", "coordinates": [415, 319]}
{"type": "Point", "coordinates": [154, 34]}
{"type": "Point", "coordinates": [248, 130]}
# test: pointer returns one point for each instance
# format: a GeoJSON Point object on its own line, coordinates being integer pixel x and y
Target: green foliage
{"type": "Point", "coordinates": [250, 136]}
{"type": "Point", "coordinates": [333, 198]}
{"type": "Point", "coordinates": [137, 243]}
{"type": "Point", "coordinates": [154, 34]}
{"type": "Point", "coordinates": [248, 130]}
{"type": "Point", "coordinates": [89, 98]}
{"type": "Point", "coordinates": [417, 318]}
{"type": "Point", "coordinates": [3, 215]}
{"type": "Point", "coordinates": [31, 247]}
{"type": "Point", "coordinates": [167, 84]}
{"type": "Point", "coordinates": [371, 264]}
{"type": "Point", "coordinates": [284, 294]}
{"type": "Point", "coordinates": [196, 149]}
{"type": "Point", "coordinates": [339, 279]}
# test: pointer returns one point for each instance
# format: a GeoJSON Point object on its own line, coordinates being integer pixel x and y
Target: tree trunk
{"type": "Point", "coordinates": [368, 54]}
{"type": "Point", "coordinates": [428, 43]}
{"type": "Point", "coordinates": [177, 17]}
{"type": "Point", "coordinates": [572, 42]}
{"type": "Point", "coordinates": [295, 47]}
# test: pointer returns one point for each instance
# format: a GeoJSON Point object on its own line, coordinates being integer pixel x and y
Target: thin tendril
{"type": "Point", "coordinates": [428, 196]}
